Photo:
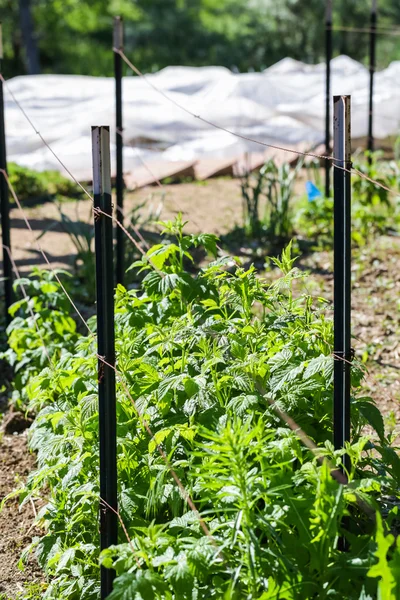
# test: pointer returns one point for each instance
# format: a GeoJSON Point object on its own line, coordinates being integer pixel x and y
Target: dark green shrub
{"type": "Point", "coordinates": [41, 185]}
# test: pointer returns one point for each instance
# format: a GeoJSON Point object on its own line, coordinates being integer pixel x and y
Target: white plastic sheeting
{"type": "Point", "coordinates": [283, 105]}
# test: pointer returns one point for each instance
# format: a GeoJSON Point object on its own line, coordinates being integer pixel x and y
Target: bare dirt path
{"type": "Point", "coordinates": [213, 206]}
{"type": "Point", "coordinates": [375, 316]}
{"type": "Point", "coordinates": [16, 525]}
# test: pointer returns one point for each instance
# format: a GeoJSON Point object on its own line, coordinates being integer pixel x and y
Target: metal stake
{"type": "Point", "coordinates": [372, 66]}
{"type": "Point", "coordinates": [106, 346]}
{"type": "Point", "coordinates": [328, 50]}
{"type": "Point", "coordinates": [342, 272]}
{"type": "Point", "coordinates": [118, 45]}
{"type": "Point", "coordinates": [5, 203]}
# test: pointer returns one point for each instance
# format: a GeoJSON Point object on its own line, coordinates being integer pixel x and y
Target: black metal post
{"type": "Point", "coordinates": [5, 203]}
{"type": "Point", "coordinates": [342, 272]}
{"type": "Point", "coordinates": [328, 51]}
{"type": "Point", "coordinates": [118, 45]}
{"type": "Point", "coordinates": [372, 66]}
{"type": "Point", "coordinates": [106, 346]}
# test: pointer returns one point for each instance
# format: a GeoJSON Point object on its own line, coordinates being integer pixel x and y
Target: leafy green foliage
{"type": "Point", "coordinates": [40, 185]}
{"type": "Point", "coordinates": [314, 221]}
{"type": "Point", "coordinates": [206, 358]}
{"type": "Point", "coordinates": [375, 211]}
{"type": "Point", "coordinates": [32, 339]}
{"type": "Point", "coordinates": [388, 566]}
{"type": "Point", "coordinates": [74, 36]}
{"type": "Point", "coordinates": [266, 201]}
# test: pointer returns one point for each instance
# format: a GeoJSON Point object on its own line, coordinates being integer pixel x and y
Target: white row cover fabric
{"type": "Point", "coordinates": [283, 105]}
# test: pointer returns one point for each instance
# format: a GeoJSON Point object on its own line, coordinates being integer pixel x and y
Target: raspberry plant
{"type": "Point", "coordinates": [210, 360]}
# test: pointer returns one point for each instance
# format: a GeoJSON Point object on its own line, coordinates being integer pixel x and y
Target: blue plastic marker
{"type": "Point", "coordinates": [312, 191]}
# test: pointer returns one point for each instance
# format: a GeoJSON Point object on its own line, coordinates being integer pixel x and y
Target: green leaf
{"type": "Point", "coordinates": [158, 438]}
{"type": "Point", "coordinates": [66, 559]}
{"type": "Point", "coordinates": [382, 569]}
{"type": "Point", "coordinates": [317, 365]}
{"type": "Point", "coordinates": [47, 548]}
{"type": "Point", "coordinates": [170, 383]}
{"type": "Point", "coordinates": [191, 387]}
{"type": "Point", "coordinates": [89, 406]}
{"type": "Point", "coordinates": [142, 585]}
{"type": "Point", "coordinates": [160, 253]}
{"type": "Point", "coordinates": [372, 415]}
{"type": "Point", "coordinates": [180, 574]}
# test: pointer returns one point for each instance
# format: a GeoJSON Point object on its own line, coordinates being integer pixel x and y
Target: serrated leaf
{"type": "Point", "coordinates": [141, 585]}
{"type": "Point", "coordinates": [382, 569]}
{"type": "Point", "coordinates": [66, 559]}
{"type": "Point", "coordinates": [89, 406]}
{"type": "Point", "coordinates": [317, 365]}
{"type": "Point", "coordinates": [172, 382]}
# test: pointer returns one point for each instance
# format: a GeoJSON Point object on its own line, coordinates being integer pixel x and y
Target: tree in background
{"type": "Point", "coordinates": [28, 37]}
{"type": "Point", "coordinates": [75, 36]}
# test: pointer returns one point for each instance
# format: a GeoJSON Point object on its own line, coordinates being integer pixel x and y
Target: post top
{"type": "Point", "coordinates": [342, 129]}
{"type": "Point", "coordinates": [101, 159]}
{"type": "Point", "coordinates": [328, 12]}
{"type": "Point", "coordinates": [106, 127]}
{"type": "Point", "coordinates": [118, 37]}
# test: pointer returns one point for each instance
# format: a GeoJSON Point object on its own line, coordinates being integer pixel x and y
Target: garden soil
{"type": "Point", "coordinates": [16, 525]}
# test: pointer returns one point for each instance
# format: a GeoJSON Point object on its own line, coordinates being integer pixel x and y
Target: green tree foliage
{"type": "Point", "coordinates": [75, 36]}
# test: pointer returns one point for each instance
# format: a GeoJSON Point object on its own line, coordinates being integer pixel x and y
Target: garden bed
{"type": "Point", "coordinates": [375, 327]}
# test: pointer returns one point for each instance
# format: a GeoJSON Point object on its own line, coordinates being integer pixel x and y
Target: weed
{"type": "Point", "coordinates": [266, 201]}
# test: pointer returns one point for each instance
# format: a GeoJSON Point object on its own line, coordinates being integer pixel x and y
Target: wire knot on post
{"type": "Point", "coordinates": [97, 213]}
{"type": "Point", "coordinates": [345, 357]}
{"type": "Point", "coordinates": [100, 372]}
